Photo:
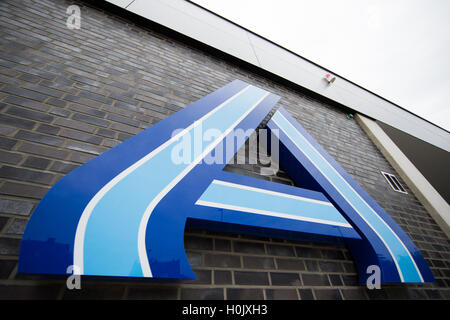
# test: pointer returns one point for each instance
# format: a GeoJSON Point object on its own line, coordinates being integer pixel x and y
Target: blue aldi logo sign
{"type": "Point", "coordinates": [124, 213]}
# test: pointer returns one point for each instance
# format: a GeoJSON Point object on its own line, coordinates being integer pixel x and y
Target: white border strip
{"type": "Point", "coordinates": [78, 254]}
{"type": "Point", "coordinates": [376, 214]}
{"type": "Point", "coordinates": [275, 193]}
{"type": "Point", "coordinates": [270, 213]}
{"type": "Point", "coordinates": [146, 270]}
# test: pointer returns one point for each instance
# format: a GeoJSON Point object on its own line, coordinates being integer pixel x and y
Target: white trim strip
{"type": "Point", "coordinates": [146, 270]}
{"type": "Point", "coordinates": [270, 213]}
{"type": "Point", "coordinates": [275, 193]}
{"type": "Point", "coordinates": [82, 223]}
{"type": "Point", "coordinates": [376, 214]}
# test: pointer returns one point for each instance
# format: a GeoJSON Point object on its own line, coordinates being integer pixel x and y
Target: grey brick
{"type": "Point", "coordinates": [251, 262]}
{"type": "Point", "coordinates": [377, 294]}
{"type": "Point", "coordinates": [203, 277]}
{"type": "Point", "coordinates": [417, 294]}
{"type": "Point", "coordinates": [10, 157]}
{"type": "Point", "coordinates": [40, 138]}
{"type": "Point", "coordinates": [86, 81]}
{"type": "Point", "coordinates": [118, 85]}
{"type": "Point", "coordinates": [106, 133]}
{"type": "Point", "coordinates": [280, 250]}
{"type": "Point", "coordinates": [87, 110]}
{"type": "Point", "coordinates": [76, 135]}
{"type": "Point", "coordinates": [335, 280]}
{"type": "Point", "coordinates": [23, 190]}
{"type": "Point", "coordinates": [290, 264]}
{"type": "Point", "coordinates": [433, 294]}
{"type": "Point", "coordinates": [57, 102]}
{"type": "Point", "coordinates": [349, 267]}
{"type": "Point", "coordinates": [330, 266]}
{"type": "Point", "coordinates": [123, 136]}
{"type": "Point", "coordinates": [110, 143]}
{"type": "Point", "coordinates": [9, 246]}
{"type": "Point", "coordinates": [17, 227]}
{"type": "Point", "coordinates": [60, 112]}
{"type": "Point", "coordinates": [24, 93]}
{"type": "Point", "coordinates": [6, 143]}
{"type": "Point", "coordinates": [3, 221]}
{"type": "Point", "coordinates": [6, 131]}
{"type": "Point", "coordinates": [251, 278]}
{"type": "Point", "coordinates": [350, 280]}
{"type": "Point", "coordinates": [192, 242]}
{"type": "Point", "coordinates": [6, 267]}
{"type": "Point", "coordinates": [195, 259]}
{"type": "Point", "coordinates": [21, 174]}
{"type": "Point", "coordinates": [16, 59]}
{"type": "Point", "coordinates": [37, 163]}
{"type": "Point", "coordinates": [48, 129]}
{"type": "Point", "coordinates": [155, 108]}
{"type": "Point", "coordinates": [43, 150]}
{"type": "Point", "coordinates": [245, 294]}
{"type": "Point", "coordinates": [222, 260]}
{"type": "Point", "coordinates": [171, 106]}
{"type": "Point", "coordinates": [43, 90]}
{"type": "Point", "coordinates": [201, 294]}
{"type": "Point", "coordinates": [306, 294]}
{"type": "Point", "coordinates": [26, 103]}
{"type": "Point", "coordinates": [144, 118]}
{"type": "Point", "coordinates": [36, 72]}
{"type": "Point", "coordinates": [327, 294]}
{"type": "Point", "coordinates": [248, 247]}
{"type": "Point", "coordinates": [333, 254]}
{"type": "Point", "coordinates": [81, 100]}
{"type": "Point", "coordinates": [29, 114]}
{"type": "Point", "coordinates": [83, 147]}
{"type": "Point", "coordinates": [19, 207]}
{"type": "Point", "coordinates": [30, 78]}
{"type": "Point", "coordinates": [222, 245]}
{"type": "Point", "coordinates": [314, 279]}
{"type": "Point", "coordinates": [62, 167]}
{"type": "Point", "coordinates": [285, 279]}
{"type": "Point", "coordinates": [397, 293]}
{"type": "Point", "coordinates": [125, 128]}
{"type": "Point", "coordinates": [312, 265]}
{"type": "Point", "coordinates": [308, 252]}
{"type": "Point", "coordinates": [354, 294]}
{"type": "Point", "coordinates": [96, 97]}
{"type": "Point", "coordinates": [125, 120]}
{"type": "Point", "coordinates": [74, 125]}
{"type": "Point", "coordinates": [91, 120]}
{"type": "Point", "coordinates": [123, 99]}
{"type": "Point", "coordinates": [80, 157]}
{"type": "Point", "coordinates": [281, 294]}
{"type": "Point", "coordinates": [222, 277]}
{"type": "Point", "coordinates": [16, 122]}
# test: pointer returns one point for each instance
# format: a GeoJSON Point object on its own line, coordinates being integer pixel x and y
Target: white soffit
{"type": "Point", "coordinates": [121, 3]}
{"type": "Point", "coordinates": [201, 25]}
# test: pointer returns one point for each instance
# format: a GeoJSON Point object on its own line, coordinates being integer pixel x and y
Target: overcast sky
{"type": "Point", "coordinates": [399, 49]}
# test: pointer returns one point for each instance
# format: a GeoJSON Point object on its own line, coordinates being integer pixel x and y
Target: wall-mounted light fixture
{"type": "Point", "coordinates": [330, 78]}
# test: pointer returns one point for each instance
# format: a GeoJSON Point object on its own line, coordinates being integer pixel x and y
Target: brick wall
{"type": "Point", "coordinates": [66, 96]}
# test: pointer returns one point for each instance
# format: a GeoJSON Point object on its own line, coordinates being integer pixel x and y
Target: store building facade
{"type": "Point", "coordinates": [68, 95]}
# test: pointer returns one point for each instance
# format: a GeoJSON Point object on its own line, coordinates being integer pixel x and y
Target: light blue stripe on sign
{"type": "Point", "coordinates": [406, 266]}
{"type": "Point", "coordinates": [115, 219]}
{"type": "Point", "coordinates": [254, 200]}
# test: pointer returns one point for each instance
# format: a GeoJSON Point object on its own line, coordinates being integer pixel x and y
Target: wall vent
{"type": "Point", "coordinates": [393, 182]}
